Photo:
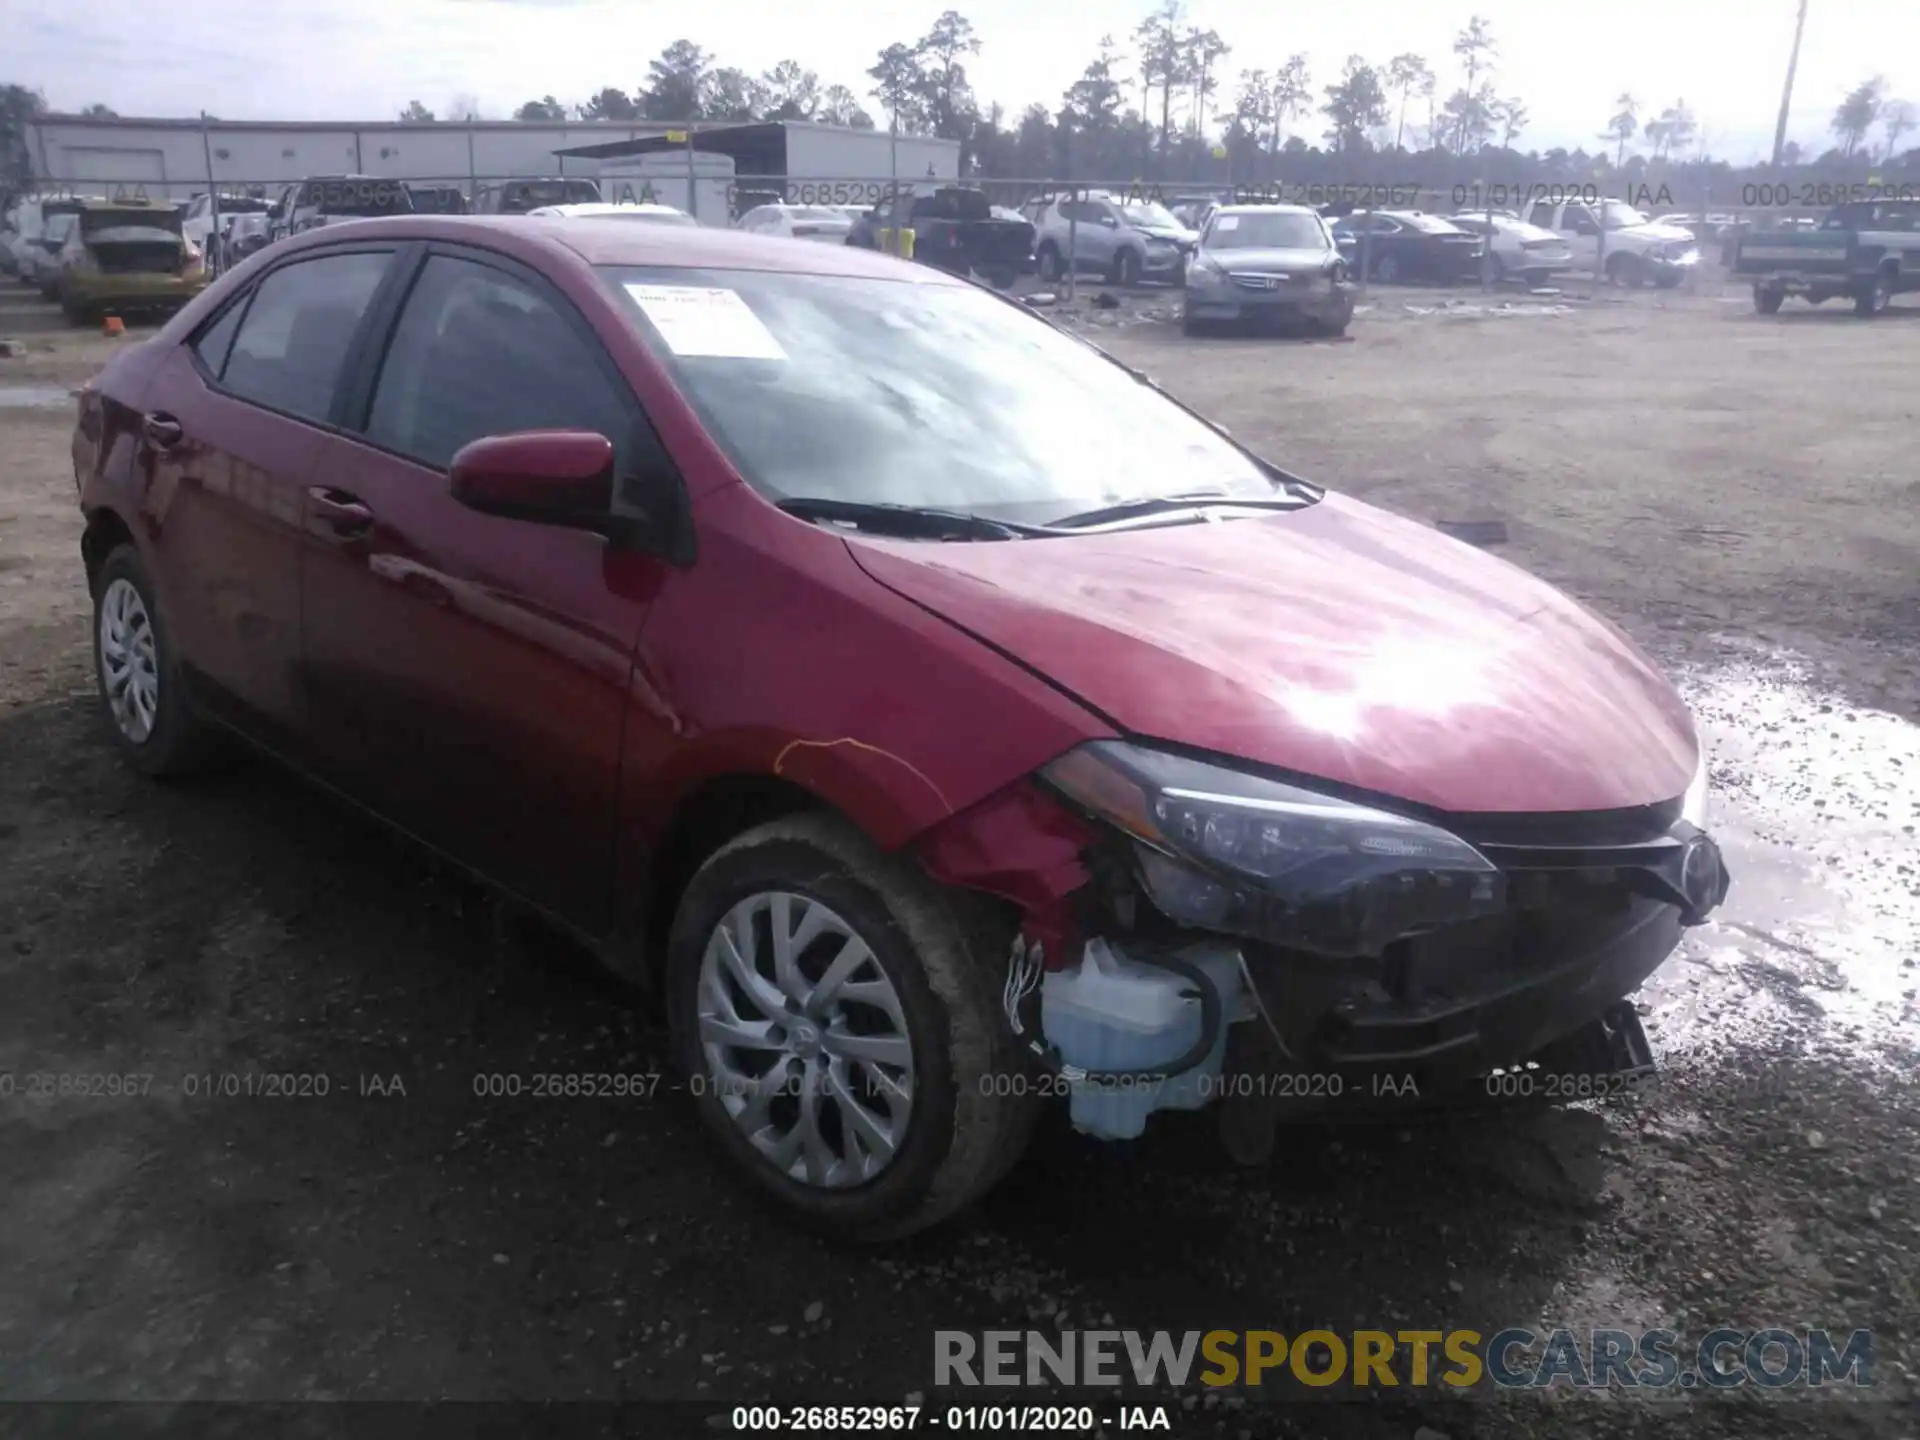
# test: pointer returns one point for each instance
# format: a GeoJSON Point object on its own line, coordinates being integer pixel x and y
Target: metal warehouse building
{"type": "Point", "coordinates": [178, 157]}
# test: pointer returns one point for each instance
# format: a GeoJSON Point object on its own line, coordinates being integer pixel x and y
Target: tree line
{"type": "Point", "coordinates": [1162, 107]}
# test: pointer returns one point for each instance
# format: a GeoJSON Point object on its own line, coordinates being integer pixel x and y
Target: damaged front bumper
{"type": "Point", "coordinates": [1352, 955]}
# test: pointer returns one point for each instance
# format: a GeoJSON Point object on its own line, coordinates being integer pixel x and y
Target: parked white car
{"type": "Point", "coordinates": [826, 223]}
{"type": "Point", "coordinates": [197, 224]}
{"type": "Point", "coordinates": [1520, 251]}
{"type": "Point", "coordinates": [603, 210]}
{"type": "Point", "coordinates": [24, 248]}
{"type": "Point", "coordinates": [1637, 250]}
{"type": "Point", "coordinates": [40, 262]}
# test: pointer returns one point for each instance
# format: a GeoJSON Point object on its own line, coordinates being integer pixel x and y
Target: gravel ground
{"type": "Point", "coordinates": [1736, 491]}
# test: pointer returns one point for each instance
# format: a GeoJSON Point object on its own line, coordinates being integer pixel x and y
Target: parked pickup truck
{"type": "Point", "coordinates": [955, 229]}
{"type": "Point", "coordinates": [1615, 241]}
{"type": "Point", "coordinates": [1868, 250]}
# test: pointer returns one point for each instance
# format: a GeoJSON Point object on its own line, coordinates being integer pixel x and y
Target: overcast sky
{"type": "Point", "coordinates": [364, 59]}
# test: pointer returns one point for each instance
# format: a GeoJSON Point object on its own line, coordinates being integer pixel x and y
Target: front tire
{"type": "Point", "coordinates": [1047, 261]}
{"type": "Point", "coordinates": [1626, 269]}
{"type": "Point", "coordinates": [835, 1015]}
{"type": "Point", "coordinates": [1874, 299]}
{"type": "Point", "coordinates": [1767, 300]}
{"type": "Point", "coordinates": [1387, 270]}
{"type": "Point", "coordinates": [1126, 269]}
{"type": "Point", "coordinates": [137, 673]}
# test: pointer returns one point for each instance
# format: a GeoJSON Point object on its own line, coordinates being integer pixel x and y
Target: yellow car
{"type": "Point", "coordinates": [126, 257]}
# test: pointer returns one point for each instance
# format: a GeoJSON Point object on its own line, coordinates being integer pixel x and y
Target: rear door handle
{"type": "Point", "coordinates": [162, 430]}
{"type": "Point", "coordinates": [339, 512]}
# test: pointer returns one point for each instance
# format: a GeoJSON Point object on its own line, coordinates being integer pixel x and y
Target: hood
{"type": "Point", "coordinates": [1656, 230]}
{"type": "Point", "coordinates": [1268, 261]}
{"type": "Point", "coordinates": [1338, 642]}
{"type": "Point", "coordinates": [1527, 234]}
{"type": "Point", "coordinates": [1177, 233]}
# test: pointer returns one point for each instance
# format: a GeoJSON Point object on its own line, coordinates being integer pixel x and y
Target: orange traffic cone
{"type": "Point", "coordinates": [113, 325]}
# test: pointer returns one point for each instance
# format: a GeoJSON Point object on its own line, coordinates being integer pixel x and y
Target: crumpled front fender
{"type": "Point", "coordinates": [1026, 847]}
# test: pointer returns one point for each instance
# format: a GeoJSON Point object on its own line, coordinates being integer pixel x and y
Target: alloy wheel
{"type": "Point", "coordinates": [129, 664]}
{"type": "Point", "coordinates": [805, 1040]}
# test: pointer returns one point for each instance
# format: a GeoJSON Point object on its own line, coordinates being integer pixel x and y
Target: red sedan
{"type": "Point", "coordinates": [935, 715]}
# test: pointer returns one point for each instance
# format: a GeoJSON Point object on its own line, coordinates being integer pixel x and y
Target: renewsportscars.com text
{"type": "Point", "coordinates": [1513, 1358]}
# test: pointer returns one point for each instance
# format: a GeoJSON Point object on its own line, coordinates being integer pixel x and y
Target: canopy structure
{"type": "Point", "coordinates": [757, 148]}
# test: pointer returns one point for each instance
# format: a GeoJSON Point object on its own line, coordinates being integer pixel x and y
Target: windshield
{"type": "Point", "coordinates": [520, 196]}
{"type": "Point", "coordinates": [1268, 232]}
{"type": "Point", "coordinates": [1618, 215]}
{"type": "Point", "coordinates": [883, 391]}
{"type": "Point", "coordinates": [357, 197]}
{"type": "Point", "coordinates": [1150, 214]}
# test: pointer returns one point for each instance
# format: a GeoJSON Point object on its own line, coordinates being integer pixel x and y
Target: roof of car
{"type": "Point", "coordinates": [92, 203]}
{"type": "Point", "coordinates": [1275, 209]}
{"type": "Point", "coordinates": [602, 207]}
{"type": "Point", "coordinates": [699, 247]}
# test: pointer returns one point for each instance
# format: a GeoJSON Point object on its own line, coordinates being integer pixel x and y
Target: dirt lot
{"type": "Point", "coordinates": [1738, 492]}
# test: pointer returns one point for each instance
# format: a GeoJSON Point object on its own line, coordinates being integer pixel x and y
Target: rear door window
{"type": "Point", "coordinates": [294, 340]}
{"type": "Point", "coordinates": [480, 352]}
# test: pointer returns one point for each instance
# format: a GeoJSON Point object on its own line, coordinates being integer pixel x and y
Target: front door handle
{"type": "Point", "coordinates": [163, 432]}
{"type": "Point", "coordinates": [343, 514]}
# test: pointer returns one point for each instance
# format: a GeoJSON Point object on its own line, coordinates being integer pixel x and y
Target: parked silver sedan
{"type": "Point", "coordinates": [1523, 252]}
{"type": "Point", "coordinates": [1268, 262]}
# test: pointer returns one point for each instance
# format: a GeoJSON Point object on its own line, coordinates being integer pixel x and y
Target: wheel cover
{"type": "Point", "coordinates": [129, 666]}
{"type": "Point", "coordinates": [805, 1040]}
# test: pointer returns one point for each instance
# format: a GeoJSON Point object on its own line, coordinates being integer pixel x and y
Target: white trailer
{"type": "Point", "coordinates": [662, 179]}
{"type": "Point", "coordinates": [833, 152]}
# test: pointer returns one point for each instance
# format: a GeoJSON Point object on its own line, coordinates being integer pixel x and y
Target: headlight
{"type": "Point", "coordinates": [1693, 809]}
{"type": "Point", "coordinates": [1219, 849]}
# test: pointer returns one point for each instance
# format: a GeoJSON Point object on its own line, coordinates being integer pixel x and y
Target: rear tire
{"type": "Point", "coordinates": [1767, 300]}
{"type": "Point", "coordinates": [933, 967]}
{"type": "Point", "coordinates": [137, 674]}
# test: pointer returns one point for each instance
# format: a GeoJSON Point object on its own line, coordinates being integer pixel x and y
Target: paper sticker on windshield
{"type": "Point", "coordinates": [1227, 222]}
{"type": "Point", "coordinates": [696, 320]}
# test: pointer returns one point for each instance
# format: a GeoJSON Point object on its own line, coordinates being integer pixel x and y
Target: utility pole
{"type": "Point", "coordinates": [1786, 95]}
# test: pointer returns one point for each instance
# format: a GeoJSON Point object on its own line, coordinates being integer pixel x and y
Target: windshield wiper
{"type": "Point", "coordinates": [1165, 504]}
{"type": "Point", "coordinates": [923, 520]}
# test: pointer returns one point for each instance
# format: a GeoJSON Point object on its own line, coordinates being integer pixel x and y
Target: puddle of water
{"type": "Point", "coordinates": [33, 397]}
{"type": "Point", "coordinates": [1817, 805]}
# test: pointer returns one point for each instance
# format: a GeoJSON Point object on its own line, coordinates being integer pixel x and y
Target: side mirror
{"type": "Point", "coordinates": [1109, 222]}
{"type": "Point", "coordinates": [548, 477]}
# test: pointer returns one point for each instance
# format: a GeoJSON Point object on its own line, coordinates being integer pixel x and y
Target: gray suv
{"type": "Point", "coordinates": [1126, 240]}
